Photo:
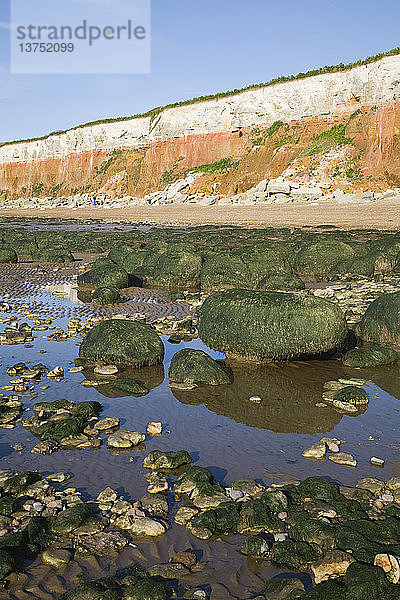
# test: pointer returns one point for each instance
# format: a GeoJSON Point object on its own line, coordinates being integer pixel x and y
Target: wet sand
{"type": "Point", "coordinates": [221, 429]}
{"type": "Point", "coordinates": [376, 215]}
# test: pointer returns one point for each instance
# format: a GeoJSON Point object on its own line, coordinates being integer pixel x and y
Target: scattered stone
{"type": "Point", "coordinates": [187, 558]}
{"type": "Point", "coordinates": [56, 557]}
{"type": "Point", "coordinates": [101, 544]}
{"type": "Point", "coordinates": [390, 564]}
{"type": "Point", "coordinates": [46, 447]}
{"type": "Point", "coordinates": [341, 458]}
{"type": "Point", "coordinates": [154, 428]}
{"type": "Point", "coordinates": [316, 452]}
{"type": "Point", "coordinates": [393, 483]}
{"type": "Point", "coordinates": [370, 484]}
{"type": "Point", "coordinates": [125, 439]}
{"type": "Point", "coordinates": [334, 564]}
{"type": "Point", "coordinates": [256, 399]}
{"type": "Point", "coordinates": [248, 487]}
{"type": "Point", "coordinates": [56, 372]}
{"type": "Point", "coordinates": [107, 495]}
{"type": "Point", "coordinates": [184, 515]}
{"type": "Point", "coordinates": [106, 424]}
{"type": "Point", "coordinates": [146, 526]}
{"type": "Point", "coordinates": [377, 462]}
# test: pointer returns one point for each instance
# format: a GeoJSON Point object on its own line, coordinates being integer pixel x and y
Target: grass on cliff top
{"type": "Point", "coordinates": [156, 111]}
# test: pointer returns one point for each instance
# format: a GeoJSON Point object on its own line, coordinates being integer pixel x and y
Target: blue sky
{"type": "Point", "coordinates": [198, 48]}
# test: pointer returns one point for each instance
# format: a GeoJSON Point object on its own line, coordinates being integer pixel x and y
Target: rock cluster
{"type": "Point", "coordinates": [273, 191]}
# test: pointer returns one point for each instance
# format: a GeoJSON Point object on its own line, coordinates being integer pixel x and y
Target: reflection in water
{"type": "Point", "coordinates": [66, 290]}
{"type": "Point", "coordinates": [151, 377]}
{"type": "Point", "coordinates": [290, 394]}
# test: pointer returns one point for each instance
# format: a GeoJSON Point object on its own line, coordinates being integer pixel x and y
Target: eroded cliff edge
{"type": "Point", "coordinates": [338, 129]}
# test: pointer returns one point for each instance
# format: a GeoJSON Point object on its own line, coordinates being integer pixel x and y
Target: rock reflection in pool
{"type": "Point", "coordinates": [150, 377]}
{"type": "Point", "coordinates": [289, 392]}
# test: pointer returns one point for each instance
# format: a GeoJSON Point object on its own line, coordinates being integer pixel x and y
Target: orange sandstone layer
{"type": "Point", "coordinates": [370, 161]}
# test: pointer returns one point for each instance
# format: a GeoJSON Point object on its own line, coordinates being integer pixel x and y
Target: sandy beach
{"type": "Point", "coordinates": [377, 215]}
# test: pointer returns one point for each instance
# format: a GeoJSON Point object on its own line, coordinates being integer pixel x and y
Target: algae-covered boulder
{"type": "Point", "coordinates": [283, 588]}
{"type": "Point", "coordinates": [380, 323]}
{"type": "Point", "coordinates": [219, 521]}
{"type": "Point", "coordinates": [105, 273]}
{"type": "Point", "coordinates": [177, 269]}
{"type": "Point", "coordinates": [8, 255]}
{"type": "Point", "coordinates": [54, 255]}
{"type": "Point", "coordinates": [145, 589]}
{"type": "Point", "coordinates": [198, 482]}
{"type": "Point", "coordinates": [17, 483]}
{"type": "Point", "coordinates": [257, 545]}
{"type": "Point", "coordinates": [123, 342]}
{"type": "Point", "coordinates": [95, 591]}
{"type": "Point", "coordinates": [317, 261]}
{"type": "Point", "coordinates": [257, 517]}
{"type": "Point", "coordinates": [106, 295]}
{"type": "Point", "coordinates": [196, 367]}
{"type": "Point", "coordinates": [71, 518]}
{"type": "Point", "coordinates": [7, 564]}
{"type": "Point", "coordinates": [281, 282]}
{"type": "Point", "coordinates": [361, 358]}
{"type": "Point", "coordinates": [157, 459]}
{"type": "Point", "coordinates": [352, 394]}
{"type": "Point", "coordinates": [318, 488]}
{"type": "Point", "coordinates": [369, 582]}
{"type": "Point", "coordinates": [331, 590]}
{"type": "Point", "coordinates": [270, 325]}
{"type": "Point", "coordinates": [224, 271]}
{"type": "Point", "coordinates": [293, 554]}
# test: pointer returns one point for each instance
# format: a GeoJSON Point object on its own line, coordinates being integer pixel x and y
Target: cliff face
{"type": "Point", "coordinates": [231, 139]}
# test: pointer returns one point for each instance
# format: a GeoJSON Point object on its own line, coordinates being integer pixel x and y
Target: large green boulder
{"type": "Point", "coordinates": [8, 255]}
{"type": "Point", "coordinates": [369, 582]}
{"type": "Point", "coordinates": [106, 295]}
{"type": "Point", "coordinates": [266, 262]}
{"type": "Point", "coordinates": [380, 323]}
{"type": "Point", "coordinates": [53, 255]}
{"type": "Point", "coordinates": [281, 282]}
{"type": "Point", "coordinates": [224, 271]}
{"type": "Point", "coordinates": [105, 273]}
{"type": "Point", "coordinates": [270, 325]}
{"type": "Point", "coordinates": [123, 342]}
{"type": "Point", "coordinates": [293, 555]}
{"type": "Point", "coordinates": [177, 269]}
{"type": "Point", "coordinates": [196, 367]}
{"type": "Point", "coordinates": [361, 358]}
{"type": "Point", "coordinates": [317, 261]}
{"type": "Point", "coordinates": [132, 262]}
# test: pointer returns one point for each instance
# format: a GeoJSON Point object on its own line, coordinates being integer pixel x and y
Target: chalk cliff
{"type": "Point", "coordinates": [236, 140]}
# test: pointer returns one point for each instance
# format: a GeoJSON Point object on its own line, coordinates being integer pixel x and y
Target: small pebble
{"type": "Point", "coordinates": [377, 462]}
